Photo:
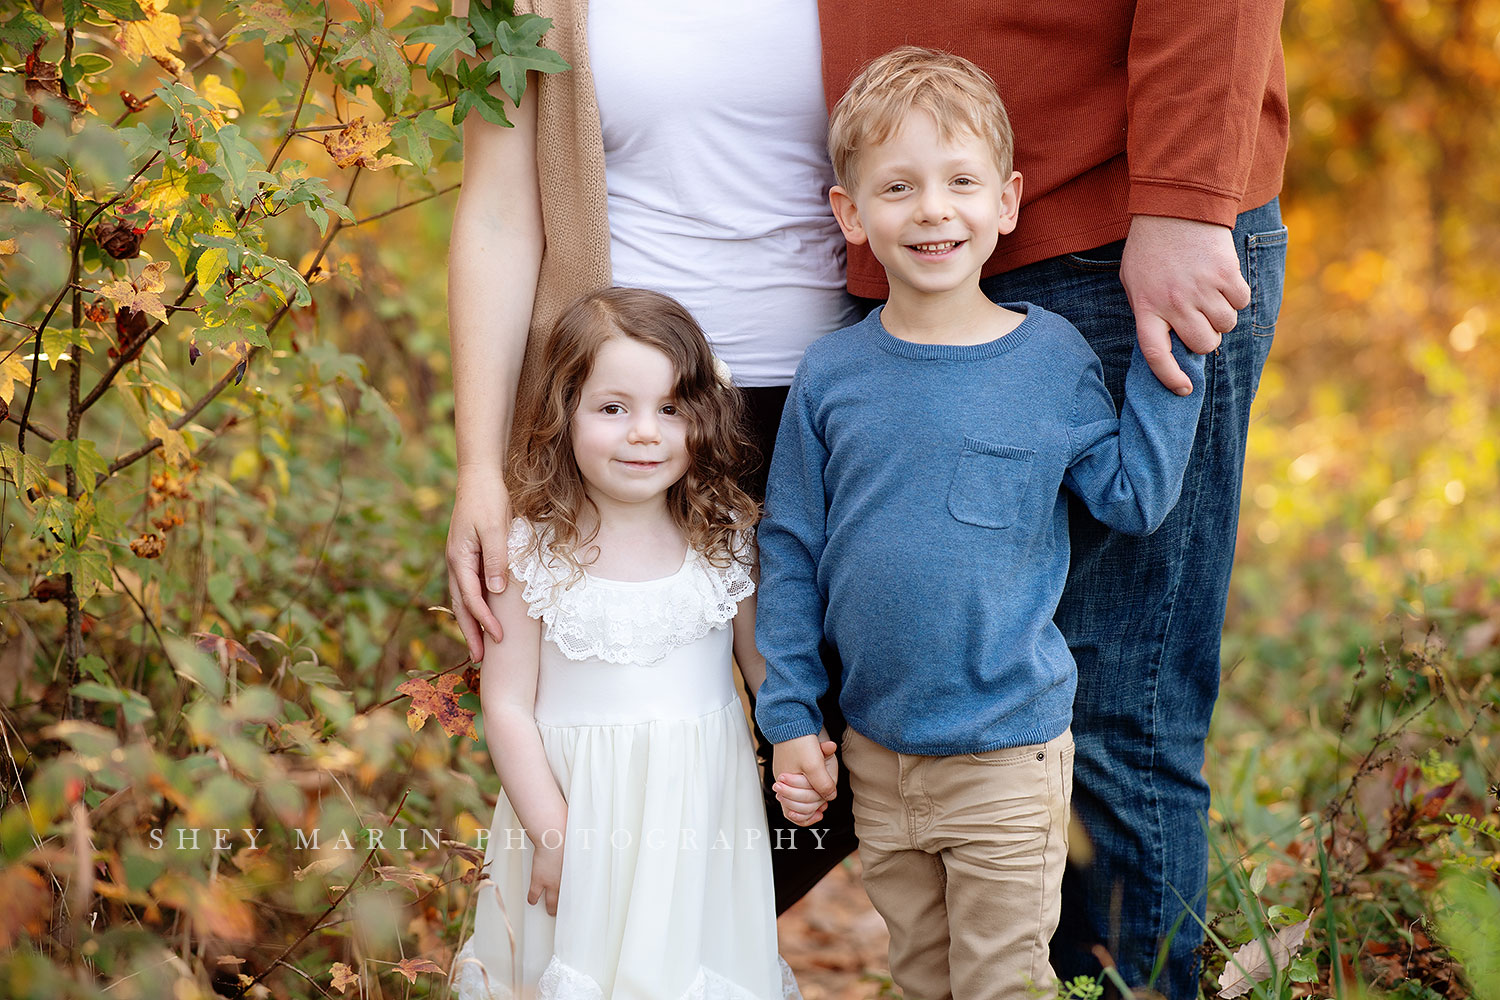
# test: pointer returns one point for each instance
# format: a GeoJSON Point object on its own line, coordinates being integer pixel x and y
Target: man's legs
{"type": "Point", "coordinates": [1143, 619]}
{"type": "Point", "coordinates": [799, 859]}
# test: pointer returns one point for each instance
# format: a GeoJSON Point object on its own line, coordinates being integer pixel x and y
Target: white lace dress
{"type": "Point", "coordinates": [666, 887]}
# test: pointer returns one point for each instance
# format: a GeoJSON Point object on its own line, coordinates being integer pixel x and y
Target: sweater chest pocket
{"type": "Point", "coordinates": [989, 484]}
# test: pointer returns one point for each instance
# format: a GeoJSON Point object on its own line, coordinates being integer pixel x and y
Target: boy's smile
{"type": "Point", "coordinates": [931, 209]}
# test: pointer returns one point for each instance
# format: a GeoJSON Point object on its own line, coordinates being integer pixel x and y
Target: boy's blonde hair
{"type": "Point", "coordinates": [960, 96]}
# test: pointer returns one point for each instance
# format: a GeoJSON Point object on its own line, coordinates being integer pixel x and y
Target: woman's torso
{"type": "Point", "coordinates": [714, 128]}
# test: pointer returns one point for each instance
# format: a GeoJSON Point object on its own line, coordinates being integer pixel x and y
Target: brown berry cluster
{"type": "Point", "coordinates": [148, 546]}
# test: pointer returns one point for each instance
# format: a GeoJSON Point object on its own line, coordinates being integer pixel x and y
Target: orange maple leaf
{"type": "Point", "coordinates": [428, 701]}
{"type": "Point", "coordinates": [409, 967]}
{"type": "Point", "coordinates": [343, 977]}
{"type": "Point", "coordinates": [358, 142]}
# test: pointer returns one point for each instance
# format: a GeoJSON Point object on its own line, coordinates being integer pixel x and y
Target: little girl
{"type": "Point", "coordinates": [629, 856]}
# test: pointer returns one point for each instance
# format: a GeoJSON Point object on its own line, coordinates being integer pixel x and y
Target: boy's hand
{"type": "Point", "coordinates": [807, 777]}
{"type": "Point", "coordinates": [546, 874]}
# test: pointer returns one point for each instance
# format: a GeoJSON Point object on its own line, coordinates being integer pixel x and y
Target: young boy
{"type": "Point", "coordinates": [916, 519]}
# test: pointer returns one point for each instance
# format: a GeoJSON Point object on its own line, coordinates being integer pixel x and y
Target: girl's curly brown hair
{"type": "Point", "coordinates": [707, 503]}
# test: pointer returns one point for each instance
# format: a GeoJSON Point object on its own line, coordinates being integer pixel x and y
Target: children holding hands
{"type": "Point", "coordinates": [916, 519]}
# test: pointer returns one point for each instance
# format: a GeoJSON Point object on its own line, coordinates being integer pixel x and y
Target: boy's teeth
{"type": "Point", "coordinates": [935, 247]}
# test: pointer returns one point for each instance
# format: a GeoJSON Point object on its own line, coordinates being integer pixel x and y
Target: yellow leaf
{"type": "Point", "coordinates": [245, 465]}
{"type": "Point", "coordinates": [357, 142]}
{"type": "Point", "coordinates": [172, 444]}
{"type": "Point", "coordinates": [381, 162]}
{"type": "Point", "coordinates": [156, 36]}
{"type": "Point", "coordinates": [150, 279]}
{"type": "Point", "coordinates": [219, 94]}
{"type": "Point", "coordinates": [9, 246]}
{"type": "Point", "coordinates": [211, 264]}
{"type": "Point", "coordinates": [13, 370]}
{"type": "Point", "coordinates": [165, 198]}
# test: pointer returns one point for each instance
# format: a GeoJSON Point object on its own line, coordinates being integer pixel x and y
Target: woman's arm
{"type": "Point", "coordinates": [494, 258]}
{"type": "Point", "coordinates": [507, 694]}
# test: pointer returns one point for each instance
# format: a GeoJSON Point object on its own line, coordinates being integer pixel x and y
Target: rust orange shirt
{"type": "Point", "coordinates": [1120, 108]}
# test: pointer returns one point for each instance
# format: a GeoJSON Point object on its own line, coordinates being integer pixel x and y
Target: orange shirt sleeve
{"type": "Point", "coordinates": [1198, 73]}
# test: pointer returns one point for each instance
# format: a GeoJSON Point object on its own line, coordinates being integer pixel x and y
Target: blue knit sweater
{"type": "Point", "coordinates": [917, 516]}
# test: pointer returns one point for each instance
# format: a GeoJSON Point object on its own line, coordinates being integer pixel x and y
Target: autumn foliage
{"type": "Point", "coordinates": [242, 755]}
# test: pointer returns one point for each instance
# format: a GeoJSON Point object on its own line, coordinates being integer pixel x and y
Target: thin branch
{"type": "Point", "coordinates": [404, 204]}
{"type": "Point", "coordinates": [229, 376]}
{"type": "Point", "coordinates": [33, 428]}
{"type": "Point", "coordinates": [331, 906]}
{"type": "Point", "coordinates": [312, 68]}
{"type": "Point", "coordinates": [24, 326]}
{"type": "Point", "coordinates": [343, 125]}
{"type": "Point", "coordinates": [146, 616]}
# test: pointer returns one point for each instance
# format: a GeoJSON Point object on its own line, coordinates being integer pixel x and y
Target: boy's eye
{"type": "Point", "coordinates": [964, 180]}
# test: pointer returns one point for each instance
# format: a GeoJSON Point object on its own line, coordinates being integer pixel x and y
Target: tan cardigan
{"type": "Point", "coordinates": [570, 173]}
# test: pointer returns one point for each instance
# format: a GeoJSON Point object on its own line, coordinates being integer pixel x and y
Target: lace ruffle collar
{"type": "Point", "coordinates": [592, 618]}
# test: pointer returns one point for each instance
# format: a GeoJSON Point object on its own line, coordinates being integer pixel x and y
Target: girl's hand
{"type": "Point", "coordinates": [546, 874]}
{"type": "Point", "coordinates": [799, 803]}
{"type": "Point", "coordinates": [804, 783]}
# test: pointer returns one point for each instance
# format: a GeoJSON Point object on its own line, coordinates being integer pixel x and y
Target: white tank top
{"type": "Point", "coordinates": [716, 165]}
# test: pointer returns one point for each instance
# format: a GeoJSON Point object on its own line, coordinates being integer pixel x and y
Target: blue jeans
{"type": "Point", "coordinates": [1142, 617]}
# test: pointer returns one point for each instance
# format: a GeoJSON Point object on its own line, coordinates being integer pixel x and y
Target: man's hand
{"type": "Point", "coordinates": [1184, 276]}
{"type": "Point", "coordinates": [477, 555]}
{"type": "Point", "coordinates": [806, 777]}
{"type": "Point", "coordinates": [546, 873]}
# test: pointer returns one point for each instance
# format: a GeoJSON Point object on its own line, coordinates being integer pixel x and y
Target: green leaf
{"type": "Point", "coordinates": [414, 133]}
{"type": "Point", "coordinates": [1304, 969]}
{"type": "Point", "coordinates": [234, 156]}
{"type": "Point", "coordinates": [476, 96]}
{"type": "Point", "coordinates": [92, 63]}
{"type": "Point", "coordinates": [370, 39]}
{"type": "Point", "coordinates": [1258, 877]}
{"type": "Point", "coordinates": [96, 668]}
{"type": "Point", "coordinates": [123, 10]}
{"type": "Point", "coordinates": [82, 456]}
{"type": "Point", "coordinates": [1284, 916]}
{"type": "Point", "coordinates": [98, 692]}
{"type": "Point", "coordinates": [25, 29]}
{"type": "Point", "coordinates": [451, 36]}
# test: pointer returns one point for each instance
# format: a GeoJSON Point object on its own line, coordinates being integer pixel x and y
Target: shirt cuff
{"type": "Point", "coordinates": [1182, 202]}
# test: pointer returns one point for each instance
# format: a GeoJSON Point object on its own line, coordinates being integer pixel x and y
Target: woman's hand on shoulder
{"type": "Point", "coordinates": [477, 554]}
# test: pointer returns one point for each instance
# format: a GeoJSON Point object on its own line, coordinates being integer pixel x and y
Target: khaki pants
{"type": "Point", "coordinates": [963, 857]}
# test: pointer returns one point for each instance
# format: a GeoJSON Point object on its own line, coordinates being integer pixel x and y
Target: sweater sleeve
{"type": "Point", "coordinates": [1128, 470]}
{"type": "Point", "coordinates": [1197, 77]}
{"type": "Point", "coordinates": [789, 617]}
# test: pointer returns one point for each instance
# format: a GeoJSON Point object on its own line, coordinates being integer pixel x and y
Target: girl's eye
{"type": "Point", "coordinates": [670, 409]}
{"type": "Point", "coordinates": [613, 409]}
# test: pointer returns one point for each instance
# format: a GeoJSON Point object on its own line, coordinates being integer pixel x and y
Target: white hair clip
{"type": "Point", "coordinates": [722, 372]}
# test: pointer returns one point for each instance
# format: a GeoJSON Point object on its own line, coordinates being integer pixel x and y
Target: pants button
{"type": "Point", "coordinates": [1041, 755]}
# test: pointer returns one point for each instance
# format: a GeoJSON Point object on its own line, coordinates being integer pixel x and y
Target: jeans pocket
{"type": "Point", "coordinates": [1266, 262]}
{"type": "Point", "coordinates": [1101, 258]}
{"type": "Point", "coordinates": [989, 483]}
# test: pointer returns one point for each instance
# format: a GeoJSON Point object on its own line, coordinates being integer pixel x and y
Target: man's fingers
{"type": "Point", "coordinates": [1155, 339]}
{"type": "Point", "coordinates": [1238, 292]}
